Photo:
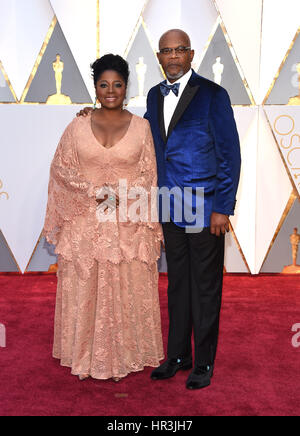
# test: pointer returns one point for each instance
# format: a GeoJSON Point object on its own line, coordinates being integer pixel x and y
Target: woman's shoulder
{"type": "Point", "coordinates": [142, 122]}
{"type": "Point", "coordinates": [80, 121]}
{"type": "Point", "coordinates": [76, 125]}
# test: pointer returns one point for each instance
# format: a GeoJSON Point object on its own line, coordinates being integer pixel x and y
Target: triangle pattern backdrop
{"type": "Point", "coordinates": [43, 84]}
{"type": "Point", "coordinates": [243, 20]}
{"type": "Point", "coordinates": [231, 78]}
{"type": "Point", "coordinates": [141, 48]}
{"type": "Point", "coordinates": [247, 54]}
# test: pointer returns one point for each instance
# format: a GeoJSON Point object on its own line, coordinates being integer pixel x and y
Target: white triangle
{"type": "Point", "coordinates": [184, 14]}
{"type": "Point", "coordinates": [273, 189]}
{"type": "Point", "coordinates": [242, 20]}
{"type": "Point", "coordinates": [78, 21]}
{"type": "Point", "coordinates": [161, 16]}
{"type": "Point", "coordinates": [28, 151]}
{"type": "Point", "coordinates": [23, 28]}
{"type": "Point", "coordinates": [118, 20]}
{"type": "Point", "coordinates": [244, 220]}
{"type": "Point", "coordinates": [280, 24]}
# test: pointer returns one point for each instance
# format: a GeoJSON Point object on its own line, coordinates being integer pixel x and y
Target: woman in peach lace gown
{"type": "Point", "coordinates": [107, 318]}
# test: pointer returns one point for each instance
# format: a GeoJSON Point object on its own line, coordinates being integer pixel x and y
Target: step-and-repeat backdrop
{"type": "Point", "coordinates": [251, 47]}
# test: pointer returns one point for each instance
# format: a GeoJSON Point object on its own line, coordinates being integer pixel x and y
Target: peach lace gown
{"type": "Point", "coordinates": [107, 317]}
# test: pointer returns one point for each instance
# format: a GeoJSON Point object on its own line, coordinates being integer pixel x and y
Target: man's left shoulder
{"type": "Point", "coordinates": [152, 91]}
{"type": "Point", "coordinates": [211, 86]}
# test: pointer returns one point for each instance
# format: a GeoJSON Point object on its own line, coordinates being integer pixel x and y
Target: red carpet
{"type": "Point", "coordinates": [257, 369]}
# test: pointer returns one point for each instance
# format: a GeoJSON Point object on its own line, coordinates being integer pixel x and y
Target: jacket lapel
{"type": "Point", "coordinates": [186, 98]}
{"type": "Point", "coordinates": [161, 118]}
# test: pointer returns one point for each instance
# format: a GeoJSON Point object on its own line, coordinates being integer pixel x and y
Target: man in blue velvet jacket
{"type": "Point", "coordinates": [197, 146]}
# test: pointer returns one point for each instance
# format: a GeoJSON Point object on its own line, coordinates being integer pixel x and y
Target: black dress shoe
{"type": "Point", "coordinates": [169, 368]}
{"type": "Point", "coordinates": [200, 377]}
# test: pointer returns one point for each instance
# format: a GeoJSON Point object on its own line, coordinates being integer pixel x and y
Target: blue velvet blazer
{"type": "Point", "coordinates": [201, 147]}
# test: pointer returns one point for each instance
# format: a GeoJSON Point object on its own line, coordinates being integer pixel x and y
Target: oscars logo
{"type": "Point", "coordinates": [218, 70]}
{"type": "Point", "coordinates": [3, 193]}
{"type": "Point", "coordinates": [294, 268]}
{"type": "Point", "coordinates": [58, 98]}
{"type": "Point", "coordinates": [295, 101]}
{"type": "Point", "coordinates": [284, 126]}
{"type": "Point", "coordinates": [141, 70]}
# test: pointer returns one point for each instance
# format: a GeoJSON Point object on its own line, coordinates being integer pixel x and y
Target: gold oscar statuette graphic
{"type": "Point", "coordinates": [218, 70]}
{"type": "Point", "coordinates": [58, 98]}
{"type": "Point", "coordinates": [295, 101]}
{"type": "Point", "coordinates": [2, 193]}
{"type": "Point", "coordinates": [141, 70]}
{"type": "Point", "coordinates": [294, 268]}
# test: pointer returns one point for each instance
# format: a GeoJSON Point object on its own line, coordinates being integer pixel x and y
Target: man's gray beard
{"type": "Point", "coordinates": [175, 77]}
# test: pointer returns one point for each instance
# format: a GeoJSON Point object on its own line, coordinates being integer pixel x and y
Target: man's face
{"type": "Point", "coordinates": [175, 64]}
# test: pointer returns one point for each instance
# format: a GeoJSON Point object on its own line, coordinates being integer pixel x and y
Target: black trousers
{"type": "Point", "coordinates": [195, 270]}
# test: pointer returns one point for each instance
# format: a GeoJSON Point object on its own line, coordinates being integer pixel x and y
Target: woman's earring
{"type": "Point", "coordinates": [95, 104]}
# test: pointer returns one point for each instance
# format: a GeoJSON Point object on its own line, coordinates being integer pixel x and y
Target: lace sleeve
{"type": "Point", "coordinates": [148, 180]}
{"type": "Point", "coordinates": [68, 192]}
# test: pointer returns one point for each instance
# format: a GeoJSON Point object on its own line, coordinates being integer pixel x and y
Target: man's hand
{"type": "Point", "coordinates": [84, 112]}
{"type": "Point", "coordinates": [219, 224]}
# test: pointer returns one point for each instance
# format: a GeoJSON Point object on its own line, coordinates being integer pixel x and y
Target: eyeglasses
{"type": "Point", "coordinates": [178, 50]}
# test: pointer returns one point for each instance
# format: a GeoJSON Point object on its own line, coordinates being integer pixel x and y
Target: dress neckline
{"type": "Point", "coordinates": [118, 142]}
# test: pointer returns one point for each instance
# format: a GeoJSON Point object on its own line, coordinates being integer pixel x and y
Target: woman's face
{"type": "Point", "coordinates": [111, 90]}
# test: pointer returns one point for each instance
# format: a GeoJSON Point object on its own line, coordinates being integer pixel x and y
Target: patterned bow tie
{"type": "Point", "coordinates": [165, 88]}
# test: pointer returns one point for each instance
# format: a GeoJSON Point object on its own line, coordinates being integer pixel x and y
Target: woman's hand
{"type": "Point", "coordinates": [106, 196]}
